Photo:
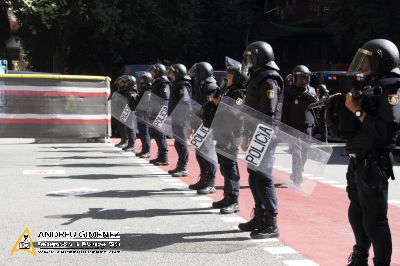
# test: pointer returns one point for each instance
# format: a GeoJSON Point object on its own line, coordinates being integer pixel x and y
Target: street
{"type": "Point", "coordinates": [94, 186]}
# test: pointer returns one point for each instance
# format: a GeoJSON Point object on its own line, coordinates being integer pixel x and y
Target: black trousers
{"type": "Point", "coordinates": [126, 132]}
{"type": "Point", "coordinates": [367, 189]}
{"type": "Point", "coordinates": [230, 171]}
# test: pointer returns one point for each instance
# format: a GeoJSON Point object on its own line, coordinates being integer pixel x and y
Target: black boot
{"type": "Point", "coordinates": [199, 184]}
{"type": "Point", "coordinates": [268, 229]}
{"type": "Point", "coordinates": [358, 257]}
{"type": "Point", "coordinates": [176, 169]}
{"type": "Point", "coordinates": [129, 147]}
{"type": "Point", "coordinates": [143, 154]}
{"type": "Point", "coordinates": [180, 170]}
{"type": "Point", "coordinates": [162, 159]}
{"type": "Point", "coordinates": [208, 188]}
{"type": "Point", "coordinates": [254, 223]}
{"type": "Point", "coordinates": [181, 173]}
{"type": "Point", "coordinates": [120, 144]}
{"type": "Point", "coordinates": [153, 161]}
{"type": "Point", "coordinates": [233, 206]}
{"type": "Point", "coordinates": [222, 203]}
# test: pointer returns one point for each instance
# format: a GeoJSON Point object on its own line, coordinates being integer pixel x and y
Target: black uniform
{"type": "Point", "coordinates": [370, 168]}
{"type": "Point", "coordinates": [369, 149]}
{"type": "Point", "coordinates": [264, 93]}
{"type": "Point", "coordinates": [144, 134]}
{"type": "Point", "coordinates": [208, 169]}
{"type": "Point", "coordinates": [161, 87]}
{"type": "Point", "coordinates": [296, 114]}
{"type": "Point", "coordinates": [181, 91]}
{"type": "Point", "coordinates": [127, 132]}
{"type": "Point", "coordinates": [229, 142]}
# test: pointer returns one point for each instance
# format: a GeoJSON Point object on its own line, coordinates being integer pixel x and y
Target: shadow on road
{"type": "Point", "coordinates": [120, 214]}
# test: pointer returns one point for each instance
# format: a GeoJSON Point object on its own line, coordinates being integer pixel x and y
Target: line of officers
{"type": "Point", "coordinates": [257, 82]}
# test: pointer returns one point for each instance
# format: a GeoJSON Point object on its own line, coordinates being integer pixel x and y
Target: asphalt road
{"type": "Point", "coordinates": [160, 221]}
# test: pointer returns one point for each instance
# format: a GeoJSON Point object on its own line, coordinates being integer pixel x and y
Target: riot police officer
{"type": "Point", "coordinates": [180, 91]}
{"type": "Point", "coordinates": [160, 87]}
{"type": "Point", "coordinates": [321, 127]}
{"type": "Point", "coordinates": [236, 79]}
{"type": "Point", "coordinates": [264, 92]}
{"type": "Point", "coordinates": [127, 87]}
{"type": "Point", "coordinates": [289, 80]}
{"type": "Point", "coordinates": [296, 114]}
{"type": "Point", "coordinates": [206, 85]}
{"type": "Point", "coordinates": [145, 81]}
{"type": "Point", "coordinates": [370, 148]}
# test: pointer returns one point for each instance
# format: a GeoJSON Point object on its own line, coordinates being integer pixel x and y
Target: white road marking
{"type": "Point", "coordinates": [316, 178]}
{"type": "Point", "coordinates": [233, 219]}
{"type": "Point", "coordinates": [265, 240]}
{"type": "Point", "coordinates": [328, 181]}
{"type": "Point", "coordinates": [205, 205]}
{"type": "Point", "coordinates": [280, 250]}
{"type": "Point", "coordinates": [201, 198]}
{"type": "Point", "coordinates": [300, 263]}
{"type": "Point", "coordinates": [340, 186]}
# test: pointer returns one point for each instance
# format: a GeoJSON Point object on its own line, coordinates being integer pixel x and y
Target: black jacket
{"type": "Point", "coordinates": [381, 126]}
{"type": "Point", "coordinates": [294, 108]}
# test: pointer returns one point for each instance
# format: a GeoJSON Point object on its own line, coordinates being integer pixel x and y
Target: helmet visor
{"type": "Point", "coordinates": [152, 70]}
{"type": "Point", "coordinates": [171, 73]}
{"type": "Point", "coordinates": [247, 60]}
{"type": "Point", "coordinates": [193, 72]}
{"type": "Point", "coordinates": [361, 63]}
{"type": "Point", "coordinates": [301, 79]}
{"type": "Point", "coordinates": [139, 74]}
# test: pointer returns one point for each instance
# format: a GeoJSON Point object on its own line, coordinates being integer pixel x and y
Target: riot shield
{"type": "Point", "coordinates": [152, 110]}
{"type": "Point", "coordinates": [230, 62]}
{"type": "Point", "coordinates": [185, 125]}
{"type": "Point", "coordinates": [120, 110]}
{"type": "Point", "coordinates": [266, 145]}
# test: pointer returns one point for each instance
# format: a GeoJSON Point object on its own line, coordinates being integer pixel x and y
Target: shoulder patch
{"type": "Point", "coordinates": [239, 101]}
{"type": "Point", "coordinates": [270, 93]}
{"type": "Point", "coordinates": [393, 99]}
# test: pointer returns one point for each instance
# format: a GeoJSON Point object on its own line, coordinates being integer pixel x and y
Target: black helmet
{"type": "Point", "coordinates": [289, 79]}
{"type": "Point", "coordinates": [202, 71]}
{"type": "Point", "coordinates": [144, 76]}
{"type": "Point", "coordinates": [240, 77]}
{"type": "Point", "coordinates": [301, 76]}
{"type": "Point", "coordinates": [322, 90]}
{"type": "Point", "coordinates": [235, 68]}
{"type": "Point", "coordinates": [130, 82]}
{"type": "Point", "coordinates": [375, 57]}
{"type": "Point", "coordinates": [258, 54]}
{"type": "Point", "coordinates": [177, 72]}
{"type": "Point", "coordinates": [157, 70]}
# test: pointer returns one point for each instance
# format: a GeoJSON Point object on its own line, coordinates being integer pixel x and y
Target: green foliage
{"type": "Point", "coordinates": [100, 36]}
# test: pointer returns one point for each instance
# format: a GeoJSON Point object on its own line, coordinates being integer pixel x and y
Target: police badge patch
{"type": "Point", "coordinates": [239, 101]}
{"type": "Point", "coordinates": [181, 91]}
{"type": "Point", "coordinates": [393, 99]}
{"type": "Point", "coordinates": [270, 94]}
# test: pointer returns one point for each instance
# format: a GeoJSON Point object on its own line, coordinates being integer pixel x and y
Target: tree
{"type": "Point", "coordinates": [100, 36]}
